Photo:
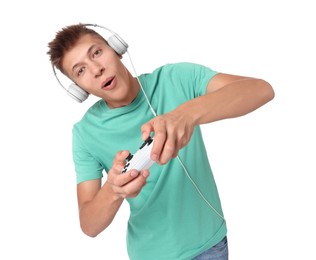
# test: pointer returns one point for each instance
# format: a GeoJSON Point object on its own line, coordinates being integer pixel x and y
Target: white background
{"type": "Point", "coordinates": [263, 163]}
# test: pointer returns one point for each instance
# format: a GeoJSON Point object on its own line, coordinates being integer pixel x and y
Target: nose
{"type": "Point", "coordinates": [97, 69]}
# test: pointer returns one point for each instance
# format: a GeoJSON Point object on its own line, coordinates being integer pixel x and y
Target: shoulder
{"type": "Point", "coordinates": [182, 69]}
{"type": "Point", "coordinates": [186, 69]}
{"type": "Point", "coordinates": [93, 113]}
{"type": "Point", "coordinates": [180, 66]}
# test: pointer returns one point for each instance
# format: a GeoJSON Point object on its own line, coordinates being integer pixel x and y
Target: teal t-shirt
{"type": "Point", "coordinates": [168, 219]}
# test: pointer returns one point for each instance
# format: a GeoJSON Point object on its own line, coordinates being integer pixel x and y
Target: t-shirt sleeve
{"type": "Point", "coordinates": [86, 166]}
{"type": "Point", "coordinates": [193, 77]}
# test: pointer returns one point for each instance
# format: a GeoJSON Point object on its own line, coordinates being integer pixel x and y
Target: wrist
{"type": "Point", "coordinates": [110, 193]}
{"type": "Point", "coordinates": [190, 112]}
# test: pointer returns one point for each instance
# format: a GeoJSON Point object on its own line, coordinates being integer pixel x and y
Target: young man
{"type": "Point", "coordinates": [170, 218]}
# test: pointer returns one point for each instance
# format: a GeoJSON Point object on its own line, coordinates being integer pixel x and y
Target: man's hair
{"type": "Point", "coordinates": [65, 39]}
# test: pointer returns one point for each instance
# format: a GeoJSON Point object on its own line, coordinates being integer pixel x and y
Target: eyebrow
{"type": "Point", "coordinates": [88, 53]}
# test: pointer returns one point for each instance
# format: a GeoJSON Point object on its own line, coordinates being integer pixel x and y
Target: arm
{"type": "Point", "coordinates": [98, 204]}
{"type": "Point", "coordinates": [227, 96]}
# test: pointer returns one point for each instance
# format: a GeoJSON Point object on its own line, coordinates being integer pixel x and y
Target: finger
{"type": "Point", "coordinates": [122, 179]}
{"type": "Point", "coordinates": [175, 153]}
{"type": "Point", "coordinates": [120, 160]}
{"type": "Point", "coordinates": [159, 141]}
{"type": "Point", "coordinates": [146, 129]}
{"type": "Point", "coordinates": [168, 150]}
{"type": "Point", "coordinates": [145, 173]}
{"type": "Point", "coordinates": [120, 157]}
{"type": "Point", "coordinates": [133, 188]}
{"type": "Point", "coordinates": [133, 179]}
{"type": "Point", "coordinates": [176, 149]}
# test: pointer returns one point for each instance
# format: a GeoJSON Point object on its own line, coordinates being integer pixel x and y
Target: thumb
{"type": "Point", "coordinates": [119, 160]}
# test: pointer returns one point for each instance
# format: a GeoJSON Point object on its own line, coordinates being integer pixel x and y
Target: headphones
{"type": "Point", "coordinates": [115, 42]}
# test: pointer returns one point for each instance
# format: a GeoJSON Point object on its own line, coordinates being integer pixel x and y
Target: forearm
{"type": "Point", "coordinates": [235, 99]}
{"type": "Point", "coordinates": [98, 213]}
{"type": "Point", "coordinates": [227, 96]}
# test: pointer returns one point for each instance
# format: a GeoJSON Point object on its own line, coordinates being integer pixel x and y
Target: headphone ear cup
{"type": "Point", "coordinates": [117, 44]}
{"type": "Point", "coordinates": [77, 93]}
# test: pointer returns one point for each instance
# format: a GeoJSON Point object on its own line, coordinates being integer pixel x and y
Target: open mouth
{"type": "Point", "coordinates": [108, 82]}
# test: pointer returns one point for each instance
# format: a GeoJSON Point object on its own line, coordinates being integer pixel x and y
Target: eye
{"type": "Point", "coordinates": [97, 53]}
{"type": "Point", "coordinates": [80, 71]}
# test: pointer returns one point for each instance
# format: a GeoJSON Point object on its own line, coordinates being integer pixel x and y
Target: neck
{"type": "Point", "coordinates": [133, 90]}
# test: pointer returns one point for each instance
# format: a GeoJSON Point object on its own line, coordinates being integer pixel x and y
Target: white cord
{"type": "Point", "coordinates": [198, 190]}
{"type": "Point", "coordinates": [140, 84]}
{"type": "Point", "coordinates": [178, 157]}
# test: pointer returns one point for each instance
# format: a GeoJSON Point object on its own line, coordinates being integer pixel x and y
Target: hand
{"type": "Point", "coordinates": [129, 184]}
{"type": "Point", "coordinates": [172, 132]}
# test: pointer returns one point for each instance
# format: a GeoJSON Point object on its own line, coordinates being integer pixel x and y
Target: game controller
{"type": "Point", "coordinates": [141, 159]}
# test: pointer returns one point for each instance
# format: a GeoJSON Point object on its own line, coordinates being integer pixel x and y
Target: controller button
{"type": "Point", "coordinates": [129, 157]}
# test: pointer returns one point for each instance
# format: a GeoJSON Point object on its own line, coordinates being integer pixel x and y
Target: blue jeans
{"type": "Point", "coordinates": [217, 252]}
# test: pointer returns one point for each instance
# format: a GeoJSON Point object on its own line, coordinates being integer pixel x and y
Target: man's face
{"type": "Point", "coordinates": [96, 68]}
